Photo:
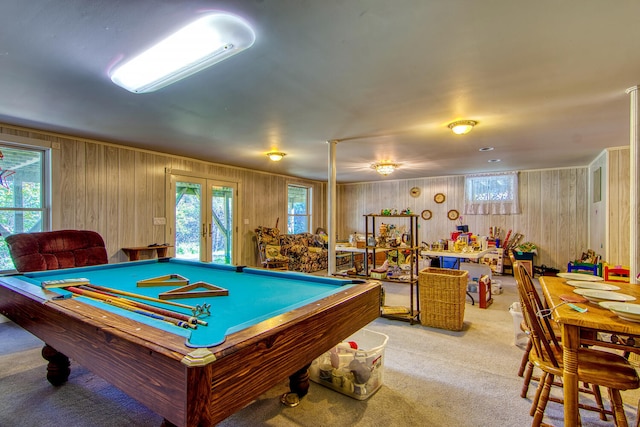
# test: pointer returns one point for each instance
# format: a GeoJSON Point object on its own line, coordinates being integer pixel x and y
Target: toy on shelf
{"type": "Point", "coordinates": [615, 273]}
{"type": "Point", "coordinates": [584, 267]}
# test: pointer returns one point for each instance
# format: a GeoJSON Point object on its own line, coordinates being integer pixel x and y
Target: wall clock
{"type": "Point", "coordinates": [439, 198]}
{"type": "Point", "coordinates": [426, 214]}
{"type": "Point", "coordinates": [415, 192]}
{"type": "Point", "coordinates": [453, 214]}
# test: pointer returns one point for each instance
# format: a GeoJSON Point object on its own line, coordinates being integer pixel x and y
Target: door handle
{"type": "Point", "coordinates": [204, 230]}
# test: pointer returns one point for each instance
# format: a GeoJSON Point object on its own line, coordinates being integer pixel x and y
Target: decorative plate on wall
{"type": "Point", "coordinates": [415, 192]}
{"type": "Point", "coordinates": [426, 214]}
{"type": "Point", "coordinates": [453, 214]}
{"type": "Point", "coordinates": [439, 198]}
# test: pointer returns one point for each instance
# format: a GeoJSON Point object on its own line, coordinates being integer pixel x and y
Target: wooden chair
{"type": "Point", "coordinates": [52, 250]}
{"type": "Point", "coordinates": [526, 366]}
{"type": "Point", "coordinates": [595, 367]}
{"type": "Point", "coordinates": [268, 245]}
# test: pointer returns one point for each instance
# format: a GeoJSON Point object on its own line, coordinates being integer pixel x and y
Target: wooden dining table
{"type": "Point", "coordinates": [574, 325]}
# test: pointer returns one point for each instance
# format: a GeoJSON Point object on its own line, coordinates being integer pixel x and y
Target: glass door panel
{"type": "Point", "coordinates": [222, 213]}
{"type": "Point", "coordinates": [204, 219]}
{"type": "Point", "coordinates": [189, 222]}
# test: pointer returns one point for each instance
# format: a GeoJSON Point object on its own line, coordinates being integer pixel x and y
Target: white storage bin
{"type": "Point", "coordinates": [356, 372]}
{"type": "Point", "coordinates": [520, 338]}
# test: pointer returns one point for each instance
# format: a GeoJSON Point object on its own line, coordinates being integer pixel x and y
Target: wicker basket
{"type": "Point", "coordinates": [442, 297]}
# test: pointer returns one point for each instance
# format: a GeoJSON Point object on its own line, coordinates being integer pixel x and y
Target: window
{"type": "Point", "coordinates": [23, 195]}
{"type": "Point", "coordinates": [495, 193]}
{"type": "Point", "coordinates": [298, 209]}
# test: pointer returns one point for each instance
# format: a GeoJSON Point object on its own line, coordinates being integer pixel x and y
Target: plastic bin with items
{"type": "Point", "coordinates": [354, 367]}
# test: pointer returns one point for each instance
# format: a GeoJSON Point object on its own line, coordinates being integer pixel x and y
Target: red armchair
{"type": "Point", "coordinates": [52, 250]}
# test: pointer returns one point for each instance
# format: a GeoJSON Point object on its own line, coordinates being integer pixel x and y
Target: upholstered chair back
{"type": "Point", "coordinates": [52, 250]}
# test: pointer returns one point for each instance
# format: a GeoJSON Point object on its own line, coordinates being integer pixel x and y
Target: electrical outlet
{"type": "Point", "coordinates": [160, 221]}
{"type": "Point", "coordinates": [246, 221]}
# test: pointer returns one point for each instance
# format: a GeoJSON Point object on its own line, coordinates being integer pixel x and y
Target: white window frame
{"type": "Point", "coordinates": [491, 193]}
{"type": "Point", "coordinates": [308, 214]}
{"type": "Point", "coordinates": [49, 156]}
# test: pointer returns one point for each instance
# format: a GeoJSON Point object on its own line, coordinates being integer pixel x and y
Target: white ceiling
{"type": "Point", "coordinates": [545, 79]}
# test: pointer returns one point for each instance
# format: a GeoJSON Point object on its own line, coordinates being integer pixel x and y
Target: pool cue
{"type": "Point", "coordinates": [158, 310]}
{"type": "Point", "coordinates": [131, 294]}
{"type": "Point", "coordinates": [128, 307]}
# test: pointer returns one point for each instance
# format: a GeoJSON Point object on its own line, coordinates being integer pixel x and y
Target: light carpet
{"type": "Point", "coordinates": [432, 377]}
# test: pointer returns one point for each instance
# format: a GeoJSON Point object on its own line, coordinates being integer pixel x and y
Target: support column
{"type": "Point", "coordinates": [634, 196]}
{"type": "Point", "coordinates": [331, 208]}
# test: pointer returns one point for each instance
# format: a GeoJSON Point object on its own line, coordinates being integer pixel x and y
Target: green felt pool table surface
{"type": "Point", "coordinates": [270, 327]}
{"type": "Point", "coordinates": [254, 294]}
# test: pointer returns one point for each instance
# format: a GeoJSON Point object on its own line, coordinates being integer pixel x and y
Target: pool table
{"type": "Point", "coordinates": [269, 327]}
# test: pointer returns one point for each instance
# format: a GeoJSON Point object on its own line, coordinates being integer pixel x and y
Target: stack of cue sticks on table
{"type": "Point", "coordinates": [110, 296]}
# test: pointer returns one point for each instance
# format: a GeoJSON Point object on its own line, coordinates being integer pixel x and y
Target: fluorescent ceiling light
{"type": "Point", "coordinates": [204, 42]}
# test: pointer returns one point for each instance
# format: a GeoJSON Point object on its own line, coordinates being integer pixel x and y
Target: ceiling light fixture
{"type": "Point", "coordinates": [385, 168]}
{"type": "Point", "coordinates": [206, 41]}
{"type": "Point", "coordinates": [461, 127]}
{"type": "Point", "coordinates": [276, 156]}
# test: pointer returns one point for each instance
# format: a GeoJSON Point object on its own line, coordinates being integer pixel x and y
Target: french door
{"type": "Point", "coordinates": [204, 222]}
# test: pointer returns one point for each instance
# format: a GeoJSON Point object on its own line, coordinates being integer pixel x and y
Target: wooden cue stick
{"type": "Point", "coordinates": [128, 307]}
{"type": "Point", "coordinates": [153, 309]}
{"type": "Point", "coordinates": [131, 294]}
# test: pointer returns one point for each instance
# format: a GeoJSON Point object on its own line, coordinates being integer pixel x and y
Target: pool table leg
{"type": "Point", "coordinates": [298, 387]}
{"type": "Point", "coordinates": [299, 382]}
{"type": "Point", "coordinates": [58, 368]}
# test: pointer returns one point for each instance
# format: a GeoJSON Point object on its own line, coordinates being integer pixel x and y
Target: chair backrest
{"type": "Point", "coordinates": [52, 250]}
{"type": "Point", "coordinates": [266, 236]}
{"type": "Point", "coordinates": [450, 262]}
{"type": "Point", "coordinates": [616, 273]}
{"type": "Point", "coordinates": [544, 341]}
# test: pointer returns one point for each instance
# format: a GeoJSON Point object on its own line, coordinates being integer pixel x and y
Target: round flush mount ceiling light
{"type": "Point", "coordinates": [486, 149]}
{"type": "Point", "coordinates": [276, 156]}
{"type": "Point", "coordinates": [461, 127]}
{"type": "Point", "coordinates": [384, 168]}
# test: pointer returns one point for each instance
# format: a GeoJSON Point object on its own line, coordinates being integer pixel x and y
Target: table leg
{"type": "Point", "coordinates": [299, 381]}
{"type": "Point", "coordinates": [570, 344]}
{"type": "Point", "coordinates": [298, 386]}
{"type": "Point", "coordinates": [162, 252]}
{"type": "Point", "coordinates": [58, 368]}
{"type": "Point", "coordinates": [134, 255]}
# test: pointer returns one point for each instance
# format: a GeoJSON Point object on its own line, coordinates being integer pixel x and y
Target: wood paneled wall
{"type": "Point", "coordinates": [618, 212]}
{"type": "Point", "coordinates": [117, 191]}
{"type": "Point", "coordinates": [553, 204]}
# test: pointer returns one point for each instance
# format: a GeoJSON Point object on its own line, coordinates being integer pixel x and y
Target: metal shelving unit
{"type": "Point", "coordinates": [411, 245]}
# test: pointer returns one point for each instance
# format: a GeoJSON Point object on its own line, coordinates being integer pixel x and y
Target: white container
{"type": "Point", "coordinates": [520, 338]}
{"type": "Point", "coordinates": [496, 287]}
{"type": "Point", "coordinates": [357, 373]}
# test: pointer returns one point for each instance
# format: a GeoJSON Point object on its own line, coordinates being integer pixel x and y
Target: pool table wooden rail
{"type": "Point", "coordinates": [146, 363]}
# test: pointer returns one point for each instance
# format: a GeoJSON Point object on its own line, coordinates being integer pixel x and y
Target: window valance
{"type": "Point", "coordinates": [491, 193]}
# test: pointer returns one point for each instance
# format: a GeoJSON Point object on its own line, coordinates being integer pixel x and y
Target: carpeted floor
{"type": "Point", "coordinates": [432, 377]}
